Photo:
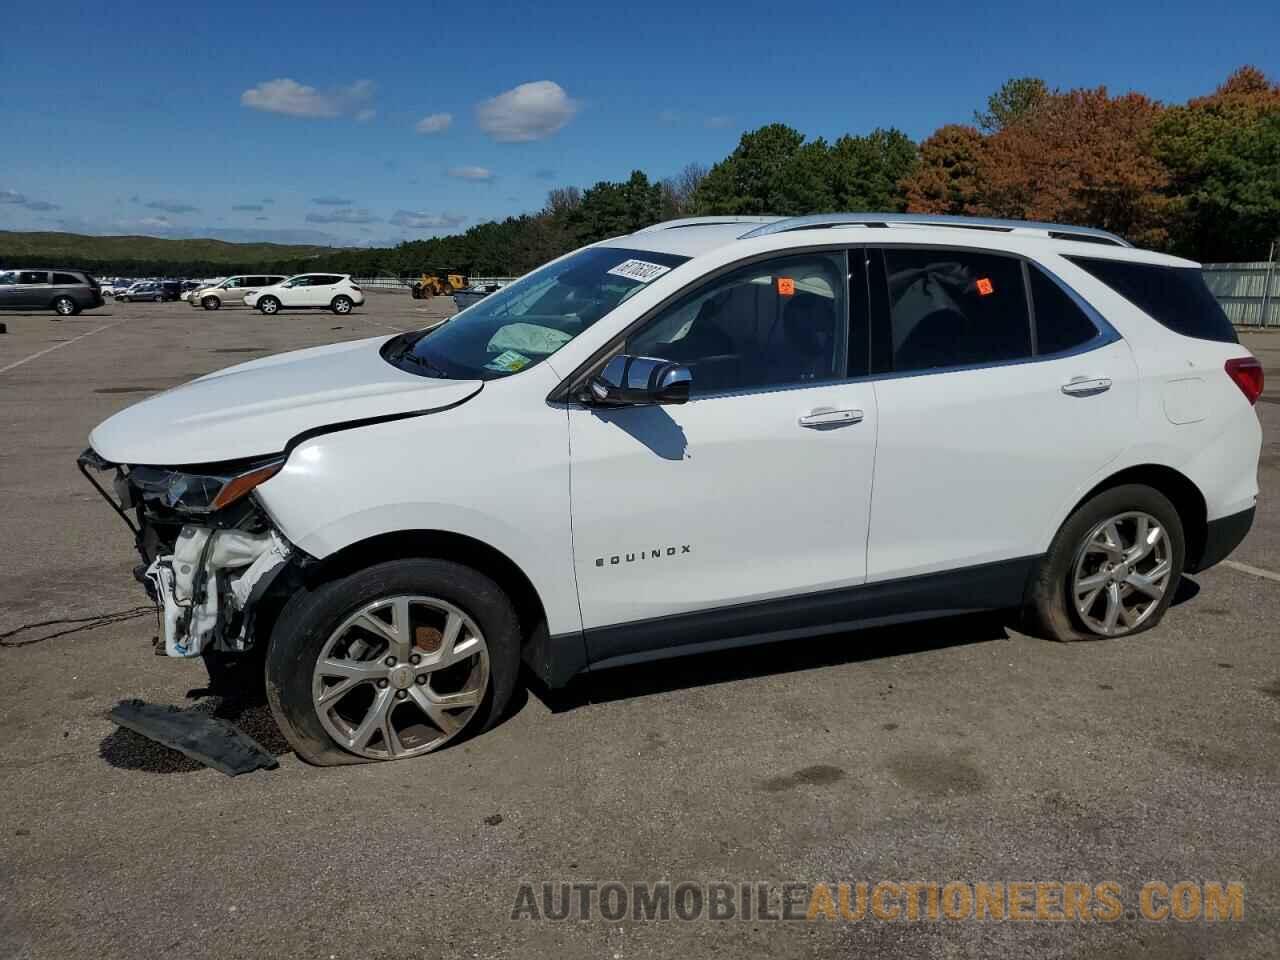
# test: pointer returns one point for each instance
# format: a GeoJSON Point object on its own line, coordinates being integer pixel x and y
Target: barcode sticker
{"type": "Point", "coordinates": [639, 270]}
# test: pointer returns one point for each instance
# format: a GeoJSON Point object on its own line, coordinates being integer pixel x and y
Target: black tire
{"type": "Point", "coordinates": [211, 303]}
{"type": "Point", "coordinates": [65, 307]}
{"type": "Point", "coordinates": [341, 305]}
{"type": "Point", "coordinates": [1050, 611]}
{"type": "Point", "coordinates": [313, 613]}
{"type": "Point", "coordinates": [269, 305]}
{"type": "Point", "coordinates": [158, 299]}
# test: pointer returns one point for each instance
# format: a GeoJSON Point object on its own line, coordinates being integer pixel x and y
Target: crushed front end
{"type": "Point", "coordinates": [210, 555]}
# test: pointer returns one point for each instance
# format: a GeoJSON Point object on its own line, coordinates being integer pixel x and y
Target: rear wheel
{"type": "Point", "coordinates": [392, 662]}
{"type": "Point", "coordinates": [269, 305]}
{"type": "Point", "coordinates": [65, 307]}
{"type": "Point", "coordinates": [1113, 568]}
{"type": "Point", "coordinates": [341, 305]}
{"type": "Point", "coordinates": [211, 303]}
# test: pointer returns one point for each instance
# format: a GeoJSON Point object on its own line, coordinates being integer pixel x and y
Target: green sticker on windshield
{"type": "Point", "coordinates": [508, 362]}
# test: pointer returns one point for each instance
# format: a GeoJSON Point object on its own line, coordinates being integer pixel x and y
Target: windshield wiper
{"type": "Point", "coordinates": [404, 352]}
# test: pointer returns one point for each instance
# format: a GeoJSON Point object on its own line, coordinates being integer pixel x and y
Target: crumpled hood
{"type": "Point", "coordinates": [256, 408]}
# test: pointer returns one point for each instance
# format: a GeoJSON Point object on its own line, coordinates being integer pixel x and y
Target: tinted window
{"type": "Point", "coordinates": [66, 278]}
{"type": "Point", "coordinates": [32, 276]}
{"type": "Point", "coordinates": [1175, 297]}
{"type": "Point", "coordinates": [774, 323]}
{"type": "Point", "coordinates": [8, 279]}
{"type": "Point", "coordinates": [952, 308]}
{"type": "Point", "coordinates": [1060, 324]}
{"type": "Point", "coordinates": [327, 279]}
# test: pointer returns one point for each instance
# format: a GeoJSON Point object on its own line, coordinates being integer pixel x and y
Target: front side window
{"type": "Point", "coordinates": [529, 320]}
{"type": "Point", "coordinates": [233, 283]}
{"type": "Point", "coordinates": [303, 281]}
{"type": "Point", "coordinates": [950, 308]}
{"type": "Point", "coordinates": [779, 322]}
{"type": "Point", "coordinates": [8, 279]}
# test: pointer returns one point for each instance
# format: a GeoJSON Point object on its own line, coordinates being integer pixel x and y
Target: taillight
{"type": "Point", "coordinates": [1247, 374]}
{"type": "Point", "coordinates": [356, 286]}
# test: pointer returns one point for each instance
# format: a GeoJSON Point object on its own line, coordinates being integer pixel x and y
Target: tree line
{"type": "Point", "coordinates": [1200, 179]}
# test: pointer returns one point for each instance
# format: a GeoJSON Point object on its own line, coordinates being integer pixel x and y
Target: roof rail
{"type": "Point", "coordinates": [1056, 231]}
{"type": "Point", "coordinates": [704, 222]}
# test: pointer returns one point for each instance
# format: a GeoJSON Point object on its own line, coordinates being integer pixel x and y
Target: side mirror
{"type": "Point", "coordinates": [627, 381]}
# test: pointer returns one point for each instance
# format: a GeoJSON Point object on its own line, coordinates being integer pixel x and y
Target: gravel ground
{"type": "Point", "coordinates": [952, 750]}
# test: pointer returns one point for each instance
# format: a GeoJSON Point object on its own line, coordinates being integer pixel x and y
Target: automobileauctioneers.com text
{"type": "Point", "coordinates": [891, 901]}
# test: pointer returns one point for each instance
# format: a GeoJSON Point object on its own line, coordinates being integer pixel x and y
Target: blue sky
{"type": "Point", "coordinates": [355, 124]}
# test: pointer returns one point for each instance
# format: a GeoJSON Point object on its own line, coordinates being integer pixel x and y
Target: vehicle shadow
{"type": "Point", "coordinates": [780, 657]}
{"type": "Point", "coordinates": [651, 426]}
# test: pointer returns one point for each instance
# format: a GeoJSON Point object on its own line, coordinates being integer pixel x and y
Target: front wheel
{"type": "Point", "coordinates": [391, 662]}
{"type": "Point", "coordinates": [157, 299]}
{"type": "Point", "coordinates": [211, 303]}
{"type": "Point", "coordinates": [341, 305]}
{"type": "Point", "coordinates": [269, 305]}
{"type": "Point", "coordinates": [65, 307]}
{"type": "Point", "coordinates": [1113, 568]}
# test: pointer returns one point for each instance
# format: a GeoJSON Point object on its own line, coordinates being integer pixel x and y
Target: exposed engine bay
{"type": "Point", "coordinates": [209, 553]}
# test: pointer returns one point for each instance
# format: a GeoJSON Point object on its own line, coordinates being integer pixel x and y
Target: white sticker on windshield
{"type": "Point", "coordinates": [639, 270]}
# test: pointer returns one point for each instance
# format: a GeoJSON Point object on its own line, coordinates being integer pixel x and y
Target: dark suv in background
{"type": "Point", "coordinates": [66, 292]}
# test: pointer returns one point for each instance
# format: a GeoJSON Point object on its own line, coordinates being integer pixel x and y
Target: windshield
{"type": "Point", "coordinates": [527, 321]}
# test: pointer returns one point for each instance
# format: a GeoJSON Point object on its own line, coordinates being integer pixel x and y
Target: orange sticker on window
{"type": "Point", "coordinates": [985, 289]}
{"type": "Point", "coordinates": [786, 287]}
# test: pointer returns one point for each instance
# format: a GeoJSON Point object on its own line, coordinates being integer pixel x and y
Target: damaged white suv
{"type": "Point", "coordinates": [704, 434]}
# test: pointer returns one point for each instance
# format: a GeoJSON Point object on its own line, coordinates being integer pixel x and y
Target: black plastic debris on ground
{"type": "Point", "coordinates": [208, 739]}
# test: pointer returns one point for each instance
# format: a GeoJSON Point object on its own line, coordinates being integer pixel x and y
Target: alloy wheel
{"type": "Point", "coordinates": [64, 307]}
{"type": "Point", "coordinates": [1122, 573]}
{"type": "Point", "coordinates": [400, 677]}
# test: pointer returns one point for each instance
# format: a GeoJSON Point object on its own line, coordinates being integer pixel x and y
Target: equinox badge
{"type": "Point", "coordinates": [657, 554]}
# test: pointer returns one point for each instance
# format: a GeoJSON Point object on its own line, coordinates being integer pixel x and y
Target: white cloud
{"type": "Point", "coordinates": [345, 215]}
{"type": "Point", "coordinates": [435, 123]}
{"type": "Point", "coordinates": [718, 122]}
{"type": "Point", "coordinates": [365, 115]}
{"type": "Point", "coordinates": [331, 201]}
{"type": "Point", "coordinates": [171, 207]}
{"type": "Point", "coordinates": [21, 200]}
{"type": "Point", "coordinates": [295, 99]}
{"type": "Point", "coordinates": [470, 173]}
{"type": "Point", "coordinates": [155, 222]}
{"type": "Point", "coordinates": [531, 111]}
{"type": "Point", "coordinates": [415, 220]}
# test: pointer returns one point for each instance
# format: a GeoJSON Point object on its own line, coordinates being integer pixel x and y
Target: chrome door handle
{"type": "Point", "coordinates": [1086, 386]}
{"type": "Point", "coordinates": [827, 417]}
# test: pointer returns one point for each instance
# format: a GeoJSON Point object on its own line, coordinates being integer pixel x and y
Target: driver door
{"type": "Point", "coordinates": [745, 510]}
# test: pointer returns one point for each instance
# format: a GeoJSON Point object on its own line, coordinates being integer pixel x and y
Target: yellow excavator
{"type": "Point", "coordinates": [438, 282]}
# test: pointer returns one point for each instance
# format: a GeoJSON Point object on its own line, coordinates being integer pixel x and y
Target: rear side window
{"type": "Point", "coordinates": [327, 280]}
{"type": "Point", "coordinates": [1175, 297]}
{"type": "Point", "coordinates": [32, 276]}
{"type": "Point", "coordinates": [952, 308]}
{"type": "Point", "coordinates": [1060, 323]}
{"type": "Point", "coordinates": [67, 278]}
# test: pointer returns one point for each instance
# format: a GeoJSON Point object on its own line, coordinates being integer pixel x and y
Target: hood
{"type": "Point", "coordinates": [256, 408]}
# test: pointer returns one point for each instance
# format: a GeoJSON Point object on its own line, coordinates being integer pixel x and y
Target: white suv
{"type": "Point", "coordinates": [324, 291]}
{"type": "Point", "coordinates": [707, 433]}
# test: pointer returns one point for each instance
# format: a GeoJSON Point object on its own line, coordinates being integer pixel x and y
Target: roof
{"type": "Point", "coordinates": [693, 236]}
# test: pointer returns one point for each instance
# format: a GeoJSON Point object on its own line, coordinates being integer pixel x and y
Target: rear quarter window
{"type": "Point", "coordinates": [67, 278]}
{"type": "Point", "coordinates": [1175, 297]}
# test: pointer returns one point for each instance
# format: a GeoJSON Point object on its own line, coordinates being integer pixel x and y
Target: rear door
{"type": "Point", "coordinates": [1001, 394]}
{"type": "Point", "coordinates": [8, 289]}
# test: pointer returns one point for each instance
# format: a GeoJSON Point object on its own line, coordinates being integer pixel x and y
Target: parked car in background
{"type": "Point", "coordinates": [473, 294]}
{"type": "Point", "coordinates": [232, 290]}
{"type": "Point", "coordinates": [704, 434]}
{"type": "Point", "coordinates": [140, 291]}
{"type": "Point", "coordinates": [314, 291]}
{"type": "Point", "coordinates": [117, 286]}
{"type": "Point", "coordinates": [64, 291]}
{"type": "Point", "coordinates": [171, 289]}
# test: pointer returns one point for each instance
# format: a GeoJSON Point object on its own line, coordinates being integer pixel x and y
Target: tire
{"type": "Point", "coordinates": [157, 299]}
{"type": "Point", "coordinates": [211, 303]}
{"type": "Point", "coordinates": [1064, 599]}
{"type": "Point", "coordinates": [269, 305]}
{"type": "Point", "coordinates": [311, 628]}
{"type": "Point", "coordinates": [65, 307]}
{"type": "Point", "coordinates": [341, 305]}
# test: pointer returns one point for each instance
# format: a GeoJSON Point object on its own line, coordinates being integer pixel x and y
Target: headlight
{"type": "Point", "coordinates": [203, 490]}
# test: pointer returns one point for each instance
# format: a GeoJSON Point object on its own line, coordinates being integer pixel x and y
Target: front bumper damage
{"type": "Point", "coordinates": [208, 572]}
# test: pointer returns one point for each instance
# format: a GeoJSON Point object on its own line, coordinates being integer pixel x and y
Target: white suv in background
{"type": "Point", "coordinates": [231, 290]}
{"type": "Point", "coordinates": [708, 433]}
{"type": "Point", "coordinates": [324, 291]}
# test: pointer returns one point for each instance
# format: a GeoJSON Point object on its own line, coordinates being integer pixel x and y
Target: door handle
{"type": "Point", "coordinates": [827, 417]}
{"type": "Point", "coordinates": [1086, 386]}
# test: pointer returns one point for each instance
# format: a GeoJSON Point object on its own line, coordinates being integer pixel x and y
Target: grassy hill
{"type": "Point", "coordinates": [18, 248]}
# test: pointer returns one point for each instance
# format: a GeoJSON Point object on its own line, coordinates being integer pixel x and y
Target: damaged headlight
{"type": "Point", "coordinates": [199, 490]}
